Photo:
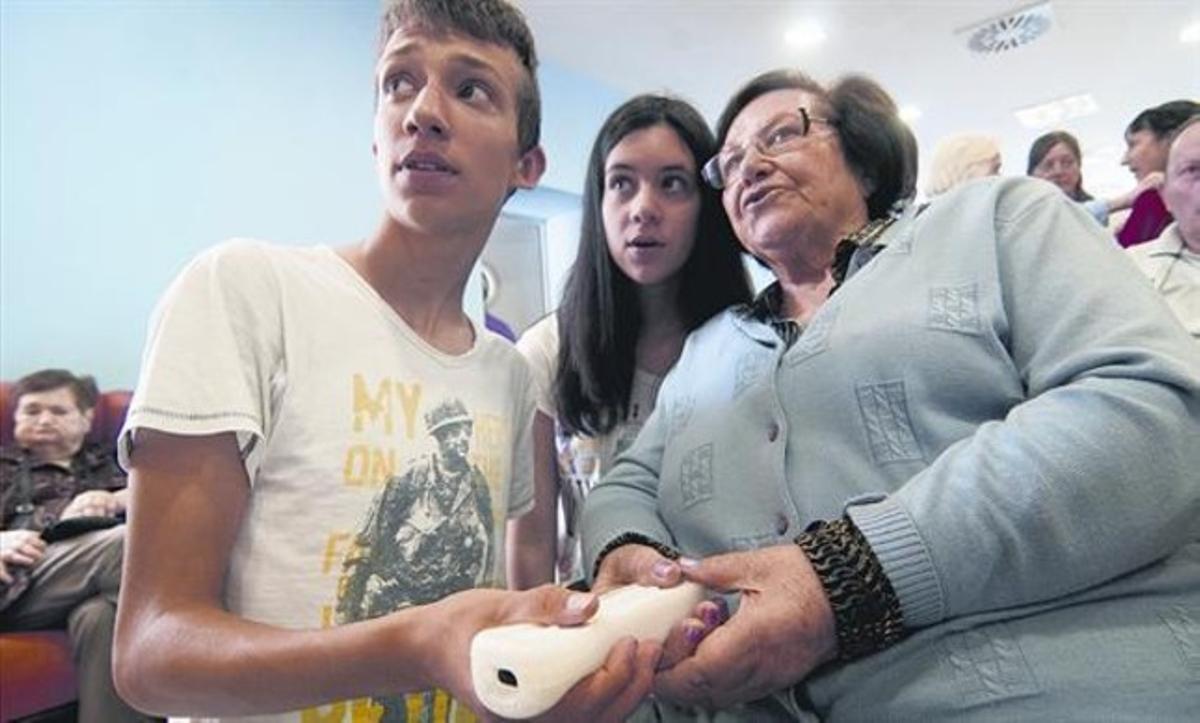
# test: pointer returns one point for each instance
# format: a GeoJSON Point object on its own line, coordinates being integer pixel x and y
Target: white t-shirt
{"type": "Point", "coordinates": [582, 460]}
{"type": "Point", "coordinates": [1174, 270]}
{"type": "Point", "coordinates": [336, 402]}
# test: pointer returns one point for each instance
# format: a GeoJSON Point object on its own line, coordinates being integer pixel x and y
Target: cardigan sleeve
{"type": "Point", "coordinates": [1095, 474]}
{"type": "Point", "coordinates": [626, 500]}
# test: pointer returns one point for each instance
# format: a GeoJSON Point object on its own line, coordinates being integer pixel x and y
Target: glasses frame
{"type": "Point", "coordinates": [711, 171]}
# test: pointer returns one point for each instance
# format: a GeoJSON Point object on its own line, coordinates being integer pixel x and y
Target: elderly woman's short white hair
{"type": "Point", "coordinates": [960, 158]}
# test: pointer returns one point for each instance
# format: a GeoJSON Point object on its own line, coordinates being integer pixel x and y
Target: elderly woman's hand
{"type": "Point", "coordinates": [636, 564]}
{"type": "Point", "coordinates": [782, 630]}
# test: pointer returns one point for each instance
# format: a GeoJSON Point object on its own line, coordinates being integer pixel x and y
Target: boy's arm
{"type": "Point", "coordinates": [178, 651]}
{"type": "Point", "coordinates": [533, 537]}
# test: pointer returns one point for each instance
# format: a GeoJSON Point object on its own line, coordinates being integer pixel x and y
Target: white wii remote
{"type": "Point", "coordinates": [522, 670]}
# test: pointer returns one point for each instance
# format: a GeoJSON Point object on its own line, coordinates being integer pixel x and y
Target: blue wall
{"type": "Point", "coordinates": [134, 134]}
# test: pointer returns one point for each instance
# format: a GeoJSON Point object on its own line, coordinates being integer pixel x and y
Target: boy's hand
{"type": "Point", "coordinates": [609, 694]}
{"type": "Point", "coordinates": [636, 564]}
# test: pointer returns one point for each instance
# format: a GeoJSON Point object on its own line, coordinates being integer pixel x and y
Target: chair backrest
{"type": "Point", "coordinates": [110, 412]}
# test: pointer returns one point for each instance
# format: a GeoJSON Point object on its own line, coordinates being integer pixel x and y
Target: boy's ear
{"type": "Point", "coordinates": [530, 168]}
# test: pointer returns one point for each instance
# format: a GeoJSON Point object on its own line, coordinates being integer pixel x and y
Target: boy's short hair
{"type": "Point", "coordinates": [82, 388]}
{"type": "Point", "coordinates": [490, 21]}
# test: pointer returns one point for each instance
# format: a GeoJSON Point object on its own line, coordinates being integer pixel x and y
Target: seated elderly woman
{"type": "Point", "coordinates": [956, 482]}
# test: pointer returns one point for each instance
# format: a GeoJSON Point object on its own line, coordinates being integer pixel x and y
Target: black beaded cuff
{"type": "Point", "coordinates": [866, 610]}
{"type": "Point", "coordinates": [632, 538]}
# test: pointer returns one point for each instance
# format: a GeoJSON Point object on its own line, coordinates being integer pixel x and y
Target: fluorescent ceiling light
{"type": "Point", "coordinates": [909, 113]}
{"type": "Point", "coordinates": [1057, 111]}
{"type": "Point", "coordinates": [1190, 33]}
{"type": "Point", "coordinates": [804, 34]}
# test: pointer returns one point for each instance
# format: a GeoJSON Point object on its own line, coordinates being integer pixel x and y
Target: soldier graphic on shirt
{"type": "Point", "coordinates": [428, 534]}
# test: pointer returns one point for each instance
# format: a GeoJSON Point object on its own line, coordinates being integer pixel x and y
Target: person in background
{"type": "Point", "coordinates": [1172, 261]}
{"type": "Point", "coordinates": [960, 158]}
{"type": "Point", "coordinates": [56, 484]}
{"type": "Point", "coordinates": [1146, 140]}
{"type": "Point", "coordinates": [953, 482]}
{"type": "Point", "coordinates": [656, 259]}
{"type": "Point", "coordinates": [283, 389]}
{"type": "Point", "coordinates": [1056, 157]}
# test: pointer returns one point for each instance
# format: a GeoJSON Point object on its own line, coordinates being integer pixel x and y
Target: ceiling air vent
{"type": "Point", "coordinates": [1009, 31]}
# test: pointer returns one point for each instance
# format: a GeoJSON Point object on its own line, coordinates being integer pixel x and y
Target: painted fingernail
{"type": "Point", "coordinates": [662, 569]}
{"type": "Point", "coordinates": [723, 604]}
{"type": "Point", "coordinates": [693, 634]}
{"type": "Point", "coordinates": [712, 616]}
{"type": "Point", "coordinates": [578, 602]}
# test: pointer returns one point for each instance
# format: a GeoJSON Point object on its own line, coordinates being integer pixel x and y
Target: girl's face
{"type": "Point", "coordinates": [1145, 153]}
{"type": "Point", "coordinates": [1060, 167]}
{"type": "Point", "coordinates": [650, 204]}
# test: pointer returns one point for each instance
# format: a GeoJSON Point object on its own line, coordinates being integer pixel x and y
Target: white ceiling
{"type": "Point", "coordinates": [1128, 55]}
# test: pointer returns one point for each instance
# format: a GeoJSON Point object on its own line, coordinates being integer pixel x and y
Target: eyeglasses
{"type": "Point", "coordinates": [785, 134]}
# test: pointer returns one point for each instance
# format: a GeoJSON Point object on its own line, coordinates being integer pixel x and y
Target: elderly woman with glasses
{"type": "Point", "coordinates": [946, 465]}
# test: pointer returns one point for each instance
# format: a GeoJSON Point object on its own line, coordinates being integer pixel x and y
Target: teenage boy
{"type": "Point", "coordinates": [282, 397]}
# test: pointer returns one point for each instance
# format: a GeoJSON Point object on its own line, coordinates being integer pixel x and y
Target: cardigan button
{"type": "Point", "coordinates": [781, 524]}
{"type": "Point", "coordinates": [773, 432]}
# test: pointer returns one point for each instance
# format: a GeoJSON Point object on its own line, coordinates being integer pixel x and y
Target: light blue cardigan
{"type": "Point", "coordinates": [1010, 416]}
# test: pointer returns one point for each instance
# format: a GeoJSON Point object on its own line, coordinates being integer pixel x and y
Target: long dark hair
{"type": "Point", "coordinates": [599, 320]}
{"type": "Point", "coordinates": [1042, 146]}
